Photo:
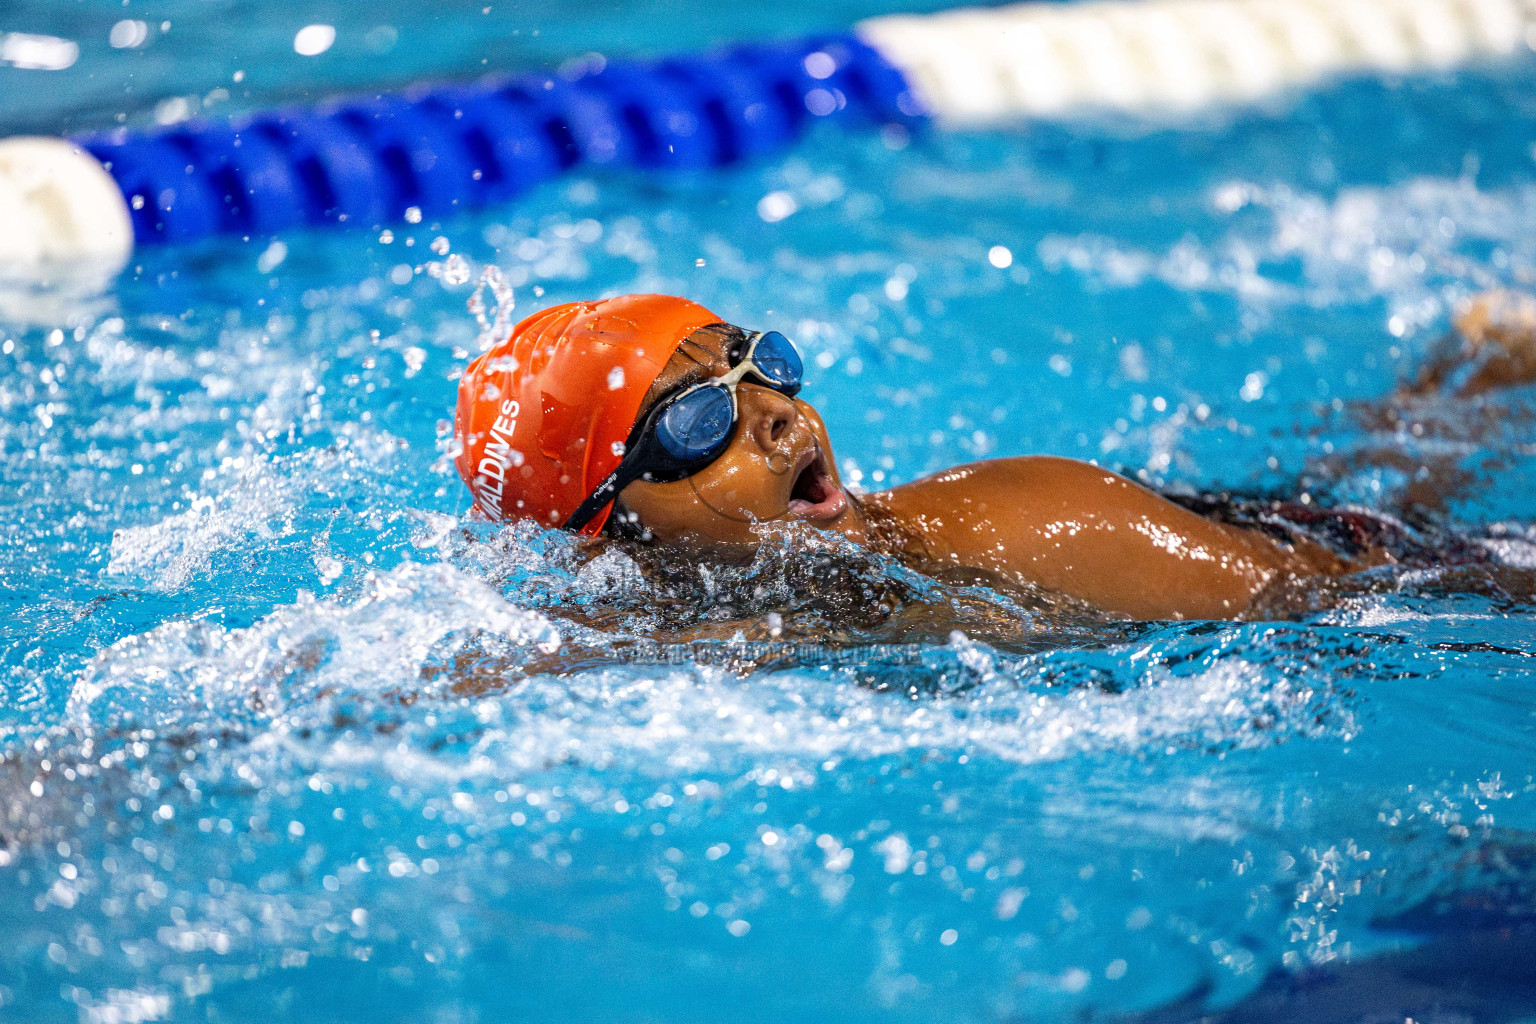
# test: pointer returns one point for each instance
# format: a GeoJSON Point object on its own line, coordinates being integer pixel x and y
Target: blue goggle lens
{"type": "Point", "coordinates": [697, 425]}
{"type": "Point", "coordinates": [776, 359]}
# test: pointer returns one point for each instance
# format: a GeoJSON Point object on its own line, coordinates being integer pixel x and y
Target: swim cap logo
{"type": "Point", "coordinates": [491, 474]}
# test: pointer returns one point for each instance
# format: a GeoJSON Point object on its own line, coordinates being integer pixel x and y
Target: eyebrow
{"type": "Point", "coordinates": [711, 353]}
{"type": "Point", "coordinates": [700, 371]}
{"type": "Point", "coordinates": [695, 374]}
{"type": "Point", "coordinates": [702, 368]}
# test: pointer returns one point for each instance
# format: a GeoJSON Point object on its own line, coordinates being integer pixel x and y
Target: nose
{"type": "Point", "coordinates": [766, 414]}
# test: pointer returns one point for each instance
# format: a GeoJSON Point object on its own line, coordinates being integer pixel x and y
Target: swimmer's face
{"type": "Point", "coordinates": [777, 465]}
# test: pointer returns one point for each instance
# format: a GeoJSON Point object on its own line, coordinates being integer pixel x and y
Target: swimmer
{"type": "Point", "coordinates": [648, 418]}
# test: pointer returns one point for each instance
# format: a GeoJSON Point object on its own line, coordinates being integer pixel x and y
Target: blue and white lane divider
{"type": "Point", "coordinates": [430, 152]}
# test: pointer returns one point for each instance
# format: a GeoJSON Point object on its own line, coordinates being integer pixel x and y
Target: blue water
{"type": "Point", "coordinates": [284, 735]}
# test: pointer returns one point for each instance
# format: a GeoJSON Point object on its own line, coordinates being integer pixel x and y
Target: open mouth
{"type": "Point", "coordinates": [815, 495]}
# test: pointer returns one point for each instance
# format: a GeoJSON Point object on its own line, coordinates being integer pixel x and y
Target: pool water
{"type": "Point", "coordinates": [285, 734]}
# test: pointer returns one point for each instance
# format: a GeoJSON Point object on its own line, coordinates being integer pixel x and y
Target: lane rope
{"type": "Point", "coordinates": [431, 151]}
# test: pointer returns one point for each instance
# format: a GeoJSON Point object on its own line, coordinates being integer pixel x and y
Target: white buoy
{"type": "Point", "coordinates": [1146, 56]}
{"type": "Point", "coordinates": [61, 214]}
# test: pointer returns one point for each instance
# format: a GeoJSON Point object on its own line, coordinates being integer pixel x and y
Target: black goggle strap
{"type": "Point", "coordinates": [641, 456]}
{"type": "Point", "coordinates": [629, 468]}
{"type": "Point", "coordinates": [599, 499]}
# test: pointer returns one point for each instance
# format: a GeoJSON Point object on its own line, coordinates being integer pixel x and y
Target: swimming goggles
{"type": "Point", "coordinates": [688, 429]}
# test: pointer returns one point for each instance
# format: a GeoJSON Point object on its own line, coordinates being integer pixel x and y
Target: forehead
{"type": "Point", "coordinates": [710, 344]}
{"type": "Point", "coordinates": [704, 353]}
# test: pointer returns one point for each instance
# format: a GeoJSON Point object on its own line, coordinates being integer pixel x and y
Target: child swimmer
{"type": "Point", "coordinates": [648, 417]}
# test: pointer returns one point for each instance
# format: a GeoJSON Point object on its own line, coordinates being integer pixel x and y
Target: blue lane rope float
{"type": "Point", "coordinates": [432, 152]}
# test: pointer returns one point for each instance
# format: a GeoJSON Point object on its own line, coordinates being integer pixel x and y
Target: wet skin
{"type": "Point", "coordinates": [1065, 525]}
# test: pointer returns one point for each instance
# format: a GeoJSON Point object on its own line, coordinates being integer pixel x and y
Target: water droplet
{"type": "Point", "coordinates": [820, 65]}
{"type": "Point", "coordinates": [313, 40]}
{"type": "Point", "coordinates": [775, 206]}
{"type": "Point", "coordinates": [499, 325]}
{"type": "Point", "coordinates": [455, 270]}
{"type": "Point", "coordinates": [271, 258]}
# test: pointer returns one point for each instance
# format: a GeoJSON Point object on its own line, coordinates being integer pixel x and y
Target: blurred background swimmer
{"type": "Point", "coordinates": [648, 418]}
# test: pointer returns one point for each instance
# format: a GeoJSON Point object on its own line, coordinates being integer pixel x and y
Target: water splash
{"type": "Point", "coordinates": [1407, 243]}
{"type": "Point", "coordinates": [250, 502]}
{"type": "Point", "coordinates": [498, 325]}
{"type": "Point", "coordinates": [196, 674]}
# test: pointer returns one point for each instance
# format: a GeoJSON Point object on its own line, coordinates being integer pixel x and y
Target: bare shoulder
{"type": "Point", "coordinates": [1032, 479]}
{"type": "Point", "coordinates": [1047, 469]}
{"type": "Point", "coordinates": [1074, 528]}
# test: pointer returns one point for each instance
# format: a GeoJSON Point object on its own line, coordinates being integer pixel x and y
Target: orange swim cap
{"type": "Point", "coordinates": [542, 417]}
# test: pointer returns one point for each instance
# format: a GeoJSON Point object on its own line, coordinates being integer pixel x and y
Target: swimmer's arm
{"type": "Point", "coordinates": [1080, 530]}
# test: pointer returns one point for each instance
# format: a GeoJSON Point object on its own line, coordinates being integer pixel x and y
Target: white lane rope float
{"type": "Point", "coordinates": [1033, 59]}
{"type": "Point", "coordinates": [59, 208]}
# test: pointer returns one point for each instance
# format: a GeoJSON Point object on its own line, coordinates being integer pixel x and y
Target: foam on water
{"type": "Point", "coordinates": [282, 734]}
{"type": "Point", "coordinates": [1406, 242]}
{"type": "Point", "coordinates": [187, 674]}
{"type": "Point", "coordinates": [402, 636]}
